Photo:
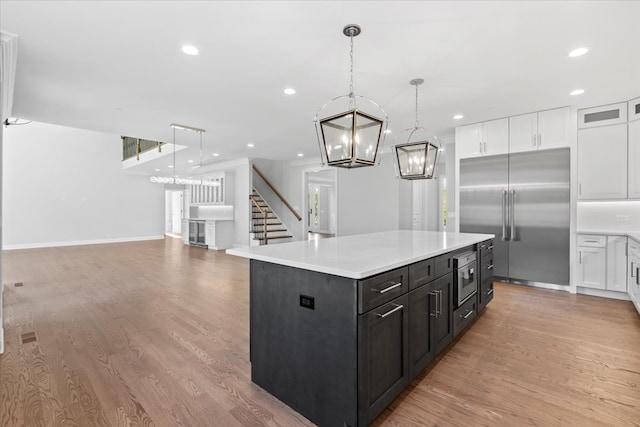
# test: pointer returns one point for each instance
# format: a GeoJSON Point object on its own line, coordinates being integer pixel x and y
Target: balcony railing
{"type": "Point", "coordinates": [133, 147]}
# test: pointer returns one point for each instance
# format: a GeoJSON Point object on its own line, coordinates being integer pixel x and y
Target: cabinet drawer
{"type": "Point", "coordinates": [377, 290]}
{"type": "Point", "coordinates": [486, 268]}
{"type": "Point", "coordinates": [592, 240]}
{"type": "Point", "coordinates": [485, 248]}
{"type": "Point", "coordinates": [486, 293]}
{"type": "Point", "coordinates": [464, 315]}
{"type": "Point", "coordinates": [443, 264]}
{"type": "Point", "coordinates": [421, 273]}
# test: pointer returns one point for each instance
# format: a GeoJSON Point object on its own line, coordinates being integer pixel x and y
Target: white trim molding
{"type": "Point", "coordinates": [81, 242]}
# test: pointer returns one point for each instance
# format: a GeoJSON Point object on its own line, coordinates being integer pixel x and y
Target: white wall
{"type": "Point", "coordinates": [603, 216]}
{"type": "Point", "coordinates": [368, 199]}
{"type": "Point", "coordinates": [65, 186]}
{"type": "Point", "coordinates": [237, 190]}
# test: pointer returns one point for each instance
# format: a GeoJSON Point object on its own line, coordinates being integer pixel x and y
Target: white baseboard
{"type": "Point", "coordinates": [1, 340]}
{"type": "Point", "coordinates": [80, 242]}
{"type": "Point", "coordinates": [603, 293]}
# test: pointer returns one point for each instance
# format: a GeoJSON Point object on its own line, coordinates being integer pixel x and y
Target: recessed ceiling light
{"type": "Point", "coordinates": [157, 170]}
{"type": "Point", "coordinates": [215, 154]}
{"type": "Point", "coordinates": [190, 50]}
{"type": "Point", "coordinates": [578, 52]}
{"type": "Point", "coordinates": [170, 166]}
{"type": "Point", "coordinates": [576, 92]}
{"type": "Point", "coordinates": [458, 117]}
{"type": "Point", "coordinates": [190, 161]}
{"type": "Point", "coordinates": [290, 91]}
{"type": "Point", "coordinates": [300, 155]}
{"type": "Point", "coordinates": [387, 131]}
{"type": "Point", "coordinates": [250, 145]}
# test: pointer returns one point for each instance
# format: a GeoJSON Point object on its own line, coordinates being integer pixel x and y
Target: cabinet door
{"type": "Point", "coordinates": [617, 263]}
{"type": "Point", "coordinates": [210, 234]}
{"type": "Point", "coordinates": [421, 311]}
{"type": "Point", "coordinates": [592, 267]}
{"type": "Point", "coordinates": [442, 323]}
{"type": "Point", "coordinates": [602, 162]}
{"type": "Point", "coordinates": [383, 368]}
{"type": "Point", "coordinates": [634, 109]}
{"type": "Point", "coordinates": [553, 128]}
{"type": "Point", "coordinates": [523, 132]}
{"type": "Point", "coordinates": [469, 140]}
{"type": "Point", "coordinates": [495, 137]}
{"type": "Point", "coordinates": [634, 160]}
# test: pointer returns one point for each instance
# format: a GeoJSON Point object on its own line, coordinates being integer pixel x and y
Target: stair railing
{"type": "Point", "coordinates": [277, 193]}
{"type": "Point", "coordinates": [264, 217]}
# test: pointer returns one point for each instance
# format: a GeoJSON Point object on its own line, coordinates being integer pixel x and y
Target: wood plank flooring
{"type": "Point", "coordinates": [156, 334]}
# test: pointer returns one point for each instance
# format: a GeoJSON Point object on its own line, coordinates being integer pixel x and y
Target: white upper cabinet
{"type": "Point", "coordinates": [495, 137]}
{"type": "Point", "coordinates": [483, 139]}
{"type": "Point", "coordinates": [634, 159]}
{"type": "Point", "coordinates": [554, 128]}
{"type": "Point", "coordinates": [469, 140]}
{"type": "Point", "coordinates": [602, 162]}
{"type": "Point", "coordinates": [612, 114]}
{"type": "Point", "coordinates": [538, 131]}
{"type": "Point", "coordinates": [523, 132]}
{"type": "Point", "coordinates": [634, 109]}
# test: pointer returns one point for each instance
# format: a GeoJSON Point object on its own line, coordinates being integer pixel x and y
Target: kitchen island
{"type": "Point", "coordinates": [340, 326]}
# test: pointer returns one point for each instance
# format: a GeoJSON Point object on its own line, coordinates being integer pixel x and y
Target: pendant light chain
{"type": "Point", "coordinates": [417, 123]}
{"type": "Point", "coordinates": [352, 100]}
{"type": "Point", "coordinates": [200, 149]}
{"type": "Point", "coordinates": [174, 153]}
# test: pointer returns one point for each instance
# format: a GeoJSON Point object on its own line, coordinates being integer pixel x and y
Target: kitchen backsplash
{"type": "Point", "coordinates": [612, 215]}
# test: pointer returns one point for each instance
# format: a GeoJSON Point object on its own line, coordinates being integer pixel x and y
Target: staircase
{"type": "Point", "coordinates": [266, 227]}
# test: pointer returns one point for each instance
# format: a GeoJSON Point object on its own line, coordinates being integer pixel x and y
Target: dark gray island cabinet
{"type": "Point", "coordinates": [339, 345]}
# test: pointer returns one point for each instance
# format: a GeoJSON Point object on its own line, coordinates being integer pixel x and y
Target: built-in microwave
{"type": "Point", "coordinates": [466, 279]}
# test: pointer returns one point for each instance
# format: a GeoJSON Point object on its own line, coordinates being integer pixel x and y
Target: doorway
{"type": "Point", "coordinates": [174, 203]}
{"type": "Point", "coordinates": [321, 203]}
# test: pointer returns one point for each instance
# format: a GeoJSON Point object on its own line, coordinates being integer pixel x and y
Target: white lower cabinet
{"type": "Point", "coordinates": [616, 264]}
{"type": "Point", "coordinates": [602, 262]}
{"type": "Point", "coordinates": [592, 267]}
{"type": "Point", "coordinates": [633, 273]}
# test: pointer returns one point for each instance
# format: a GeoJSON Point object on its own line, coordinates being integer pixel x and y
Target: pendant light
{"type": "Point", "coordinates": [175, 179]}
{"type": "Point", "coordinates": [352, 138]}
{"type": "Point", "coordinates": [418, 156]}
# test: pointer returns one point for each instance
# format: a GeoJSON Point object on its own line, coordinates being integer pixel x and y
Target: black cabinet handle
{"type": "Point", "coordinates": [468, 314]}
{"type": "Point", "coordinates": [489, 292]}
{"type": "Point", "coordinates": [490, 267]}
{"type": "Point", "coordinates": [429, 270]}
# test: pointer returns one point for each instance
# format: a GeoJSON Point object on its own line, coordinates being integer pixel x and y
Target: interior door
{"type": "Point", "coordinates": [539, 216]}
{"type": "Point", "coordinates": [483, 185]}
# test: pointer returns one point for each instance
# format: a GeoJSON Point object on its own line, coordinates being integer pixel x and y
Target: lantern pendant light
{"type": "Point", "coordinates": [417, 159]}
{"type": "Point", "coordinates": [353, 138]}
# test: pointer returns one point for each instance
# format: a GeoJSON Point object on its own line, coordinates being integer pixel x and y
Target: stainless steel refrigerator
{"type": "Point", "coordinates": [523, 199]}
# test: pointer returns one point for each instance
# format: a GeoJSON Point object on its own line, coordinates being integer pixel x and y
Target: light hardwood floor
{"type": "Point", "coordinates": [156, 334]}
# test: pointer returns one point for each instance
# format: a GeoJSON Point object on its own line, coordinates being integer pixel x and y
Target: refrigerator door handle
{"type": "Point", "coordinates": [512, 231]}
{"type": "Point", "coordinates": [504, 216]}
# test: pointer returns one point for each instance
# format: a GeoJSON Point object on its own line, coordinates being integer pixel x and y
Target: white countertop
{"type": "Point", "coordinates": [361, 255]}
{"type": "Point", "coordinates": [633, 234]}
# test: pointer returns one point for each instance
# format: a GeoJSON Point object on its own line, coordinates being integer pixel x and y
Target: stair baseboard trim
{"type": "Point", "coordinates": [81, 242]}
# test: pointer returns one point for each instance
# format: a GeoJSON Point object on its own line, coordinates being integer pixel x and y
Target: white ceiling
{"type": "Point", "coordinates": [116, 66]}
